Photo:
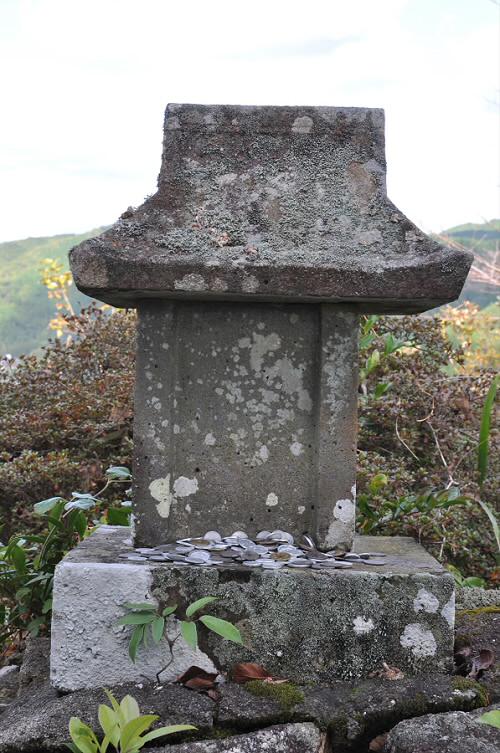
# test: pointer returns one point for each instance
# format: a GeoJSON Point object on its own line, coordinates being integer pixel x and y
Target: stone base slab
{"type": "Point", "coordinates": [307, 626]}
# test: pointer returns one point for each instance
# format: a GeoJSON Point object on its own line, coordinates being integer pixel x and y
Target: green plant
{"type": "Point", "coordinates": [491, 717]}
{"type": "Point", "coordinates": [27, 563]}
{"type": "Point", "coordinates": [124, 728]}
{"type": "Point", "coordinates": [470, 582]}
{"type": "Point", "coordinates": [150, 621]}
{"type": "Point", "coordinates": [483, 452]}
{"type": "Point", "coordinates": [389, 510]}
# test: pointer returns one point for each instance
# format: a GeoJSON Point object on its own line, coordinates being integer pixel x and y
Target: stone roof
{"type": "Point", "coordinates": [271, 203]}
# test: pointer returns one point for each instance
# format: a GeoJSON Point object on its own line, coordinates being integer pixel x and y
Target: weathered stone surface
{"type": "Point", "coordinates": [40, 722]}
{"type": "Point", "coordinates": [288, 738]}
{"type": "Point", "coordinates": [444, 733]}
{"type": "Point", "coordinates": [351, 714]}
{"type": "Point", "coordinates": [276, 204]}
{"type": "Point", "coordinates": [35, 668]}
{"type": "Point", "coordinates": [475, 598]}
{"type": "Point", "coordinates": [245, 418]}
{"type": "Point", "coordinates": [354, 715]}
{"type": "Point", "coordinates": [241, 710]}
{"type": "Point", "coordinates": [9, 678]}
{"type": "Point", "coordinates": [88, 647]}
{"type": "Point", "coordinates": [479, 630]}
{"type": "Point", "coordinates": [304, 625]}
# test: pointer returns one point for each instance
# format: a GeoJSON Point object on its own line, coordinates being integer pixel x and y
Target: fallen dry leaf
{"type": "Point", "coordinates": [481, 663]}
{"type": "Point", "coordinates": [378, 743]}
{"type": "Point", "coordinates": [388, 673]}
{"type": "Point", "coordinates": [197, 679]}
{"type": "Point", "coordinates": [247, 671]}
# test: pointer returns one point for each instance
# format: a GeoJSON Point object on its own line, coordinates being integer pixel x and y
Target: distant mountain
{"type": "Point", "coordinates": [483, 284]}
{"type": "Point", "coordinates": [25, 309]}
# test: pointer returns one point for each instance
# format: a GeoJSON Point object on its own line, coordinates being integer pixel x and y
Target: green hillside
{"type": "Point", "coordinates": [25, 310]}
{"type": "Point", "coordinates": [483, 284]}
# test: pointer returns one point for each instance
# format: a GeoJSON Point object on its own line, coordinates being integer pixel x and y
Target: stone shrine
{"type": "Point", "coordinates": [269, 234]}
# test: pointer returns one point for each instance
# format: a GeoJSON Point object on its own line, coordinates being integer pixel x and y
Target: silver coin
{"type": "Point", "coordinates": [239, 535]}
{"type": "Point", "coordinates": [272, 565]}
{"type": "Point", "coordinates": [212, 536]}
{"type": "Point", "coordinates": [368, 555]}
{"type": "Point", "coordinates": [281, 536]}
{"type": "Point", "coordinates": [263, 535]}
{"type": "Point", "coordinates": [136, 558]}
{"type": "Point", "coordinates": [184, 549]}
{"type": "Point", "coordinates": [332, 564]}
{"type": "Point", "coordinates": [299, 563]}
{"type": "Point", "coordinates": [351, 557]}
{"type": "Point", "coordinates": [174, 557]}
{"type": "Point", "coordinates": [252, 563]}
{"type": "Point", "coordinates": [373, 561]}
{"type": "Point", "coordinates": [158, 558]}
{"type": "Point", "coordinates": [144, 550]}
{"type": "Point", "coordinates": [260, 549]}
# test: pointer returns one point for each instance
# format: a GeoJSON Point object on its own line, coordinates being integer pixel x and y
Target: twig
{"type": "Point", "coordinates": [404, 443]}
{"type": "Point", "coordinates": [451, 480]}
{"type": "Point", "coordinates": [171, 647]}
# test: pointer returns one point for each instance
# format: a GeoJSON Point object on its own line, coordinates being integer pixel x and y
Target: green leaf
{"type": "Point", "coordinates": [72, 747]}
{"type": "Point", "coordinates": [222, 627]}
{"type": "Point", "coordinates": [493, 520]}
{"type": "Point", "coordinates": [47, 504]}
{"type": "Point", "coordinates": [112, 700]}
{"type": "Point", "coordinates": [83, 736]}
{"type": "Point", "coordinates": [137, 618]}
{"type": "Point", "coordinates": [171, 730]}
{"type": "Point", "coordinates": [484, 433]}
{"type": "Point", "coordinates": [118, 472]}
{"type": "Point", "coordinates": [80, 523]}
{"type": "Point", "coordinates": [189, 633]}
{"type": "Point", "coordinates": [47, 606]}
{"type": "Point", "coordinates": [18, 557]}
{"type": "Point", "coordinates": [130, 735]}
{"type": "Point", "coordinates": [85, 744]}
{"type": "Point", "coordinates": [129, 709]}
{"type": "Point", "coordinates": [135, 641]}
{"type": "Point", "coordinates": [81, 503]}
{"type": "Point", "coordinates": [108, 719]}
{"type": "Point", "coordinates": [199, 604]}
{"type": "Point", "coordinates": [492, 718]}
{"type": "Point", "coordinates": [169, 610]}
{"type": "Point", "coordinates": [381, 389]}
{"type": "Point", "coordinates": [141, 605]}
{"type": "Point", "coordinates": [157, 628]}
{"type": "Point", "coordinates": [474, 582]}
{"type": "Point", "coordinates": [118, 516]}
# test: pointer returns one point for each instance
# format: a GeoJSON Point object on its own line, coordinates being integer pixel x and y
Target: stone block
{"type": "Point", "coordinates": [271, 203]}
{"type": "Point", "coordinates": [245, 418]}
{"type": "Point", "coordinates": [303, 625]}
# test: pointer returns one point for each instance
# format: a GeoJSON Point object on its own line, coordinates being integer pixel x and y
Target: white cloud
{"type": "Point", "coordinates": [88, 80]}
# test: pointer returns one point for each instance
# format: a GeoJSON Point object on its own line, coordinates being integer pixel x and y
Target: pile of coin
{"type": "Point", "coordinates": [270, 550]}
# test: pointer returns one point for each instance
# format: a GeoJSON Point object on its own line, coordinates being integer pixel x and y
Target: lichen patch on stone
{"type": "Point", "coordinates": [419, 640]}
{"type": "Point", "coordinates": [425, 601]}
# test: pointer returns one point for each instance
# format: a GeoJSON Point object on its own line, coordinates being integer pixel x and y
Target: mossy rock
{"type": "Point", "coordinates": [287, 694]}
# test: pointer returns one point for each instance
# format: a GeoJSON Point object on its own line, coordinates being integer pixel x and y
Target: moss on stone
{"type": "Point", "coordinates": [220, 733]}
{"type": "Point", "coordinates": [464, 683]}
{"type": "Point", "coordinates": [287, 694]}
{"type": "Point", "coordinates": [479, 611]}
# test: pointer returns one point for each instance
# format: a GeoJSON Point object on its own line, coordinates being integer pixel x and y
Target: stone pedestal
{"type": "Point", "coordinates": [245, 417]}
{"type": "Point", "coordinates": [304, 625]}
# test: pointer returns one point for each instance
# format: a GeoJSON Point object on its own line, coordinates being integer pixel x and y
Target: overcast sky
{"type": "Point", "coordinates": [84, 84]}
